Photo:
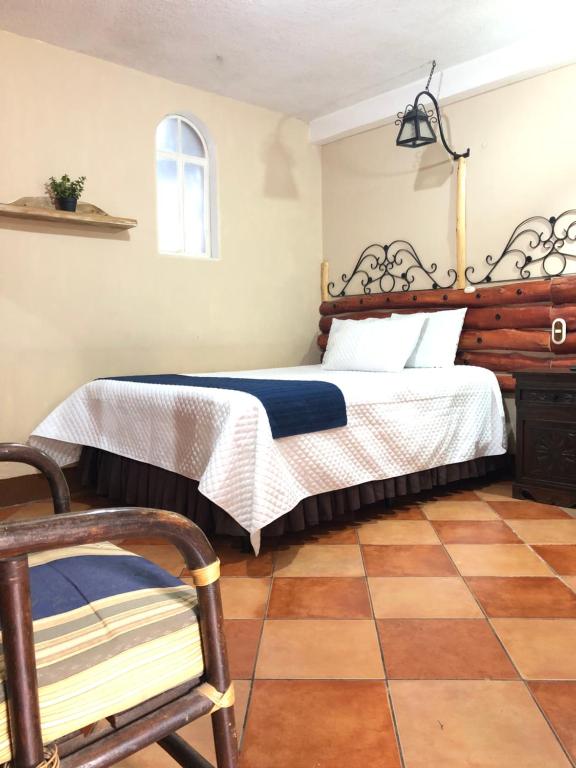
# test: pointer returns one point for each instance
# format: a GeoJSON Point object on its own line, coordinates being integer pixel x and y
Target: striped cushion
{"type": "Point", "coordinates": [111, 630]}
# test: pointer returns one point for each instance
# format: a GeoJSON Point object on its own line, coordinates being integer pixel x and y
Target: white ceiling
{"type": "Point", "coordinates": [302, 57]}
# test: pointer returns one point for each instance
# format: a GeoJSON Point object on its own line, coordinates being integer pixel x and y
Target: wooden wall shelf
{"type": "Point", "coordinates": [65, 217]}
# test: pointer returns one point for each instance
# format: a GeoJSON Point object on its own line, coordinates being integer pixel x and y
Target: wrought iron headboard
{"type": "Point", "coordinates": [389, 268]}
{"type": "Point", "coordinates": [536, 241]}
{"type": "Point", "coordinates": [506, 328]}
{"type": "Point", "coordinates": [537, 249]}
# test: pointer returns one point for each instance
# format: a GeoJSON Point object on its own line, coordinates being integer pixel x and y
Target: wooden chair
{"type": "Point", "coordinates": [156, 720]}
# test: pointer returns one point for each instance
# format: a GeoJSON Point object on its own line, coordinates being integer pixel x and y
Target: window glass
{"type": "Point", "coordinates": [167, 135]}
{"type": "Point", "coordinates": [191, 142]}
{"type": "Point", "coordinates": [170, 235]}
{"type": "Point", "coordinates": [194, 208]}
{"type": "Point", "coordinates": [183, 189]}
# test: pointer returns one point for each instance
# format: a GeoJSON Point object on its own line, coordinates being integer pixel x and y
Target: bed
{"type": "Point", "coordinates": [399, 424]}
{"type": "Point", "coordinates": [209, 454]}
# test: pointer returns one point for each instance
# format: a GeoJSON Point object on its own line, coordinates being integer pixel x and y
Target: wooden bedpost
{"type": "Point", "coordinates": [461, 221]}
{"type": "Point", "coordinates": [324, 281]}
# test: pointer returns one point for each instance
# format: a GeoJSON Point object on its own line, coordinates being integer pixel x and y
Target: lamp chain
{"type": "Point", "coordinates": [430, 75]}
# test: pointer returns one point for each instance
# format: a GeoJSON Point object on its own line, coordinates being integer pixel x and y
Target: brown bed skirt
{"type": "Point", "coordinates": [134, 483]}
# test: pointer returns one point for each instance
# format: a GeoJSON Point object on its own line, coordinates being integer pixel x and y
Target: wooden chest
{"type": "Point", "coordinates": [546, 436]}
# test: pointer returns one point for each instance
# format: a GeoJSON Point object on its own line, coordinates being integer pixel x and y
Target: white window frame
{"type": "Point", "coordinates": [209, 166]}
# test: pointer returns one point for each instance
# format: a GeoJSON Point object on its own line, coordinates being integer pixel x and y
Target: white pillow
{"type": "Point", "coordinates": [439, 339]}
{"type": "Point", "coordinates": [371, 345]}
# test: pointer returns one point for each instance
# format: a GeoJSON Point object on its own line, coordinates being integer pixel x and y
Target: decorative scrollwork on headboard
{"type": "Point", "coordinates": [536, 242]}
{"type": "Point", "coordinates": [387, 268]}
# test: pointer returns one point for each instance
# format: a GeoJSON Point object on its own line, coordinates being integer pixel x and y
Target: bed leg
{"type": "Point", "coordinates": [225, 740]}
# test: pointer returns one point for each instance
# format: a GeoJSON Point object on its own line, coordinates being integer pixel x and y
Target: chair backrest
{"type": "Point", "coordinates": [25, 454]}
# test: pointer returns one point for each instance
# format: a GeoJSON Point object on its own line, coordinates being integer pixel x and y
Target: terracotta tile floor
{"type": "Point", "coordinates": [439, 633]}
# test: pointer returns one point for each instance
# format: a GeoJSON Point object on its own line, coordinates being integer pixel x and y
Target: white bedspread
{"type": "Point", "coordinates": [397, 423]}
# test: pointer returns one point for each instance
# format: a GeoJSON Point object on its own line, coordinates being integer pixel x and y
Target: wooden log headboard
{"type": "Point", "coordinates": [507, 328]}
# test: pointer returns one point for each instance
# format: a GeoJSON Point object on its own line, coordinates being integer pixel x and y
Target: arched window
{"type": "Point", "coordinates": [184, 178]}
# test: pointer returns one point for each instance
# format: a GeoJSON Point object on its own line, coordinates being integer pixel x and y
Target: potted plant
{"type": "Point", "coordinates": [66, 192]}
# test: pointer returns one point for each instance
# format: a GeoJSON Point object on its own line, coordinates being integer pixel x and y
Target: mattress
{"type": "Point", "coordinates": [104, 619]}
{"type": "Point", "coordinates": [398, 423]}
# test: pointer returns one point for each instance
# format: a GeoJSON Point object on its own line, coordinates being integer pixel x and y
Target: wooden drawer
{"type": "Point", "coordinates": [547, 396]}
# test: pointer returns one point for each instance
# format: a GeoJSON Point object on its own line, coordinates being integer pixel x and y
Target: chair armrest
{"type": "Point", "coordinates": [72, 529]}
{"type": "Point", "coordinates": [69, 529]}
{"type": "Point", "coordinates": [25, 454]}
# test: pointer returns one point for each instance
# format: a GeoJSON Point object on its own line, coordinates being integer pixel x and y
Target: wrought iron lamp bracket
{"type": "Point", "coordinates": [432, 115]}
{"type": "Point", "coordinates": [455, 155]}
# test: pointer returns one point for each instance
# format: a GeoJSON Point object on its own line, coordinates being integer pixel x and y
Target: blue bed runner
{"type": "Point", "coordinates": [294, 407]}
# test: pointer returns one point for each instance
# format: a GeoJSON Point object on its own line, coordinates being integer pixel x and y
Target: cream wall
{"type": "Point", "coordinates": [75, 305]}
{"type": "Point", "coordinates": [522, 163]}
